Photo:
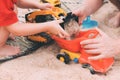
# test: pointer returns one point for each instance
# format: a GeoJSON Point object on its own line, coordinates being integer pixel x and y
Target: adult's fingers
{"type": "Point", "coordinates": [80, 15]}
{"type": "Point", "coordinates": [91, 46]}
{"type": "Point", "coordinates": [76, 12]}
{"type": "Point", "coordinates": [81, 18]}
{"type": "Point", "coordinates": [89, 41]}
{"type": "Point", "coordinates": [93, 51]}
{"type": "Point", "coordinates": [96, 57]}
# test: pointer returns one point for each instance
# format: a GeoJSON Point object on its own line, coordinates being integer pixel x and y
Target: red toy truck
{"type": "Point", "coordinates": [74, 51]}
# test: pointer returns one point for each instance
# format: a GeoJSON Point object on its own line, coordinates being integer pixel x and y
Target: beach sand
{"type": "Point", "coordinates": [43, 65]}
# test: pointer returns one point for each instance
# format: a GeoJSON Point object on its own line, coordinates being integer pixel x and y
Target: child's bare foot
{"type": "Point", "coordinates": [8, 50]}
{"type": "Point", "coordinates": [115, 21]}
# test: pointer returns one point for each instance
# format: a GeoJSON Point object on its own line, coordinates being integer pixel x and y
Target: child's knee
{"type": "Point", "coordinates": [3, 36]}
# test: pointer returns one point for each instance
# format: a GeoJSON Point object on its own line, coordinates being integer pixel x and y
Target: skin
{"type": "Point", "coordinates": [88, 7]}
{"type": "Point", "coordinates": [25, 29]}
{"type": "Point", "coordinates": [105, 46]}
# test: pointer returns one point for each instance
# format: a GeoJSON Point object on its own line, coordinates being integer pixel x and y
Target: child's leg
{"type": "Point", "coordinates": [116, 19]}
{"type": "Point", "coordinates": [6, 50]}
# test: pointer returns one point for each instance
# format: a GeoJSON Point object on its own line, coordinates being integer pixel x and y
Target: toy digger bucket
{"type": "Point", "coordinates": [73, 45]}
{"type": "Point", "coordinates": [101, 65]}
{"type": "Point", "coordinates": [70, 45]}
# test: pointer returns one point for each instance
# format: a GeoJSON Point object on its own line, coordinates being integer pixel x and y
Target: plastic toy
{"type": "Point", "coordinates": [43, 16]}
{"type": "Point", "coordinates": [56, 3]}
{"type": "Point", "coordinates": [66, 56]}
{"type": "Point", "coordinates": [73, 47]}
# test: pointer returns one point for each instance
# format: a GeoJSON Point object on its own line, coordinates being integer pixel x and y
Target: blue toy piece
{"type": "Point", "coordinates": [88, 23]}
{"type": "Point", "coordinates": [75, 60]}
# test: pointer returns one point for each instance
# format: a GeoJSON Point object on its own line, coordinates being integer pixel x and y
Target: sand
{"type": "Point", "coordinates": [43, 65]}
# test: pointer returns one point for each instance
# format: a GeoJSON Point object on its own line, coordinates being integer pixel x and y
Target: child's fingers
{"type": "Point", "coordinates": [50, 6]}
{"type": "Point", "coordinates": [59, 21]}
{"type": "Point", "coordinates": [63, 34]}
{"type": "Point", "coordinates": [47, 6]}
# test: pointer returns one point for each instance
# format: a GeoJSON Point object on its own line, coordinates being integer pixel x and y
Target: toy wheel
{"type": "Point", "coordinates": [85, 65]}
{"type": "Point", "coordinates": [75, 60]}
{"type": "Point", "coordinates": [92, 71]}
{"type": "Point", "coordinates": [64, 58]}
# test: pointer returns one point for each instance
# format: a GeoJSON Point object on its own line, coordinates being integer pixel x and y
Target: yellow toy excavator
{"type": "Point", "coordinates": [44, 16]}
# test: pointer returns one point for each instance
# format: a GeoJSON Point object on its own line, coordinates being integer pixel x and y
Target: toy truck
{"type": "Point", "coordinates": [43, 16]}
{"type": "Point", "coordinates": [67, 56]}
{"type": "Point", "coordinates": [72, 50]}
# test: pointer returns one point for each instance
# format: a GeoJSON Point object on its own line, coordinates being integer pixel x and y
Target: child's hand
{"type": "Point", "coordinates": [104, 45]}
{"type": "Point", "coordinates": [46, 6]}
{"type": "Point", "coordinates": [56, 29]}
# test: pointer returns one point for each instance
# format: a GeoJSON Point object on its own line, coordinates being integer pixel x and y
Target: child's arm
{"type": "Point", "coordinates": [32, 4]}
{"type": "Point", "coordinates": [25, 29]}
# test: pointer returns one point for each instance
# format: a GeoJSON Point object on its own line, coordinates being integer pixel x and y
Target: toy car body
{"type": "Point", "coordinates": [74, 47]}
